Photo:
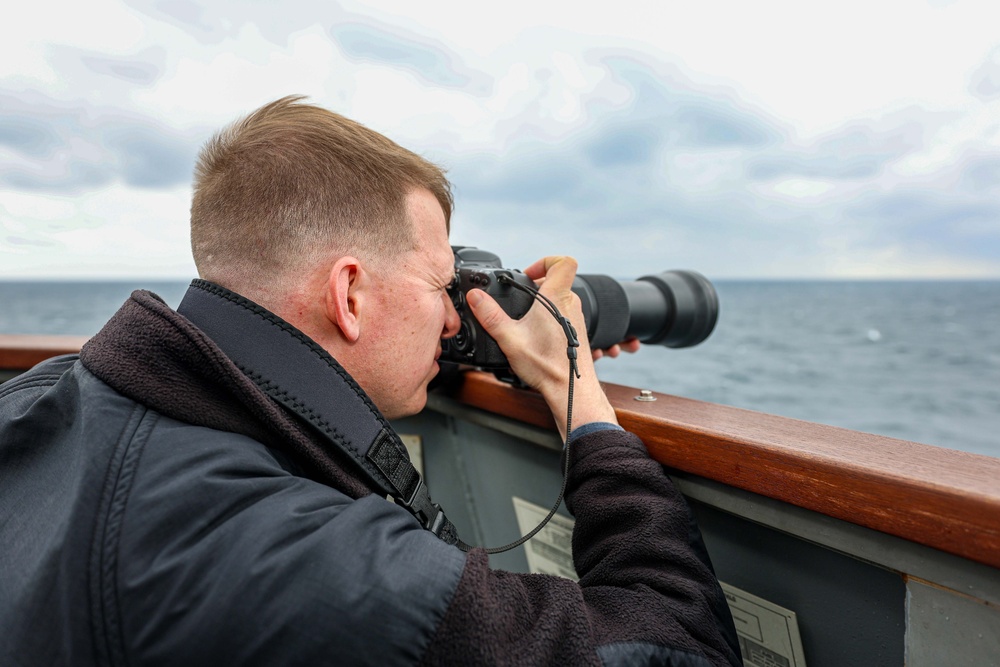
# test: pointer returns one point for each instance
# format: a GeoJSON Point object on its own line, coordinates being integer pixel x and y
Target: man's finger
{"type": "Point", "coordinates": [630, 345]}
{"type": "Point", "coordinates": [558, 271]}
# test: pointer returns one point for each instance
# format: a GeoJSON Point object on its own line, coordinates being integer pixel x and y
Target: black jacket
{"type": "Point", "coordinates": [157, 506]}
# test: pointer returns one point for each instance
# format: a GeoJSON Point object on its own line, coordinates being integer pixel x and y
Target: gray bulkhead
{"type": "Point", "coordinates": [862, 598]}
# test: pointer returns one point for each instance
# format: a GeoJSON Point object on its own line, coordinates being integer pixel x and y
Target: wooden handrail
{"type": "Point", "coordinates": [21, 352]}
{"type": "Point", "coordinates": [942, 498]}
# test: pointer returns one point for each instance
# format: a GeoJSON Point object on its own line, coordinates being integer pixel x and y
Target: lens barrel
{"type": "Point", "coordinates": [673, 308]}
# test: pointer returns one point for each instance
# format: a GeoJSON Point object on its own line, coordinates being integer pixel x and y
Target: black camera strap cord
{"type": "Point", "coordinates": [572, 343]}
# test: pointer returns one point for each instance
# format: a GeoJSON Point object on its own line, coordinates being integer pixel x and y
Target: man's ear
{"type": "Point", "coordinates": [345, 297]}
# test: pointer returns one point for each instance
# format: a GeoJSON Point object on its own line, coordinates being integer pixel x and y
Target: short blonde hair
{"type": "Point", "coordinates": [291, 181]}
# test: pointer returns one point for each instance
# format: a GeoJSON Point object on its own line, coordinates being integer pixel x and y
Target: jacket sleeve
{"type": "Point", "coordinates": [647, 592]}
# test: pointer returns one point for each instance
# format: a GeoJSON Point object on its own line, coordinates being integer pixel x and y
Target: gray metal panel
{"type": "Point", "coordinates": [891, 552]}
{"type": "Point", "coordinates": [846, 582]}
{"type": "Point", "coordinates": [521, 431]}
{"type": "Point", "coordinates": [473, 472]}
{"type": "Point", "coordinates": [950, 629]}
{"type": "Point", "coordinates": [850, 613]}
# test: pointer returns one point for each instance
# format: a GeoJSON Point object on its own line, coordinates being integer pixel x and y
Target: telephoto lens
{"type": "Point", "coordinates": [673, 308]}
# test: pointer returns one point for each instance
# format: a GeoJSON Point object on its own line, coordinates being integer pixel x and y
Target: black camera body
{"type": "Point", "coordinates": [481, 269]}
{"type": "Point", "coordinates": [673, 308]}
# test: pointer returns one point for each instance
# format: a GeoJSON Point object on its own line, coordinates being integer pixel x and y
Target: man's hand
{"type": "Point", "coordinates": [535, 345]}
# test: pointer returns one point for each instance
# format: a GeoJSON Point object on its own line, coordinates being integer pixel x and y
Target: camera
{"type": "Point", "coordinates": [672, 308]}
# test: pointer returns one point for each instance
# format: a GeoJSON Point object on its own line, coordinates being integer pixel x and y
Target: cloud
{"type": "Point", "coordinates": [623, 149]}
{"type": "Point", "coordinates": [14, 243]}
{"type": "Point", "coordinates": [625, 143]}
{"type": "Point", "coordinates": [644, 186]}
{"type": "Point", "coordinates": [858, 150]}
{"type": "Point", "coordinates": [360, 37]}
{"type": "Point", "coordinates": [116, 231]}
{"type": "Point", "coordinates": [981, 174]}
{"type": "Point", "coordinates": [985, 81]}
{"type": "Point", "coordinates": [149, 155]}
{"type": "Point", "coordinates": [116, 76]}
{"type": "Point", "coordinates": [65, 147]}
{"type": "Point", "coordinates": [431, 61]}
{"type": "Point", "coordinates": [529, 175]}
{"type": "Point", "coordinates": [144, 69]}
{"type": "Point", "coordinates": [26, 134]}
{"type": "Point", "coordinates": [925, 219]}
{"type": "Point", "coordinates": [206, 23]}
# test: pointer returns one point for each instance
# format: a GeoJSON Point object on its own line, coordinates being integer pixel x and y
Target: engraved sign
{"type": "Point", "coordinates": [769, 634]}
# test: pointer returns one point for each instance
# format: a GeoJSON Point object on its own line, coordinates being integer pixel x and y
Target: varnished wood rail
{"type": "Point", "coordinates": [21, 352]}
{"type": "Point", "coordinates": [942, 498]}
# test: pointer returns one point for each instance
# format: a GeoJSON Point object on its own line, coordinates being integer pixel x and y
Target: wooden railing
{"type": "Point", "coordinates": [19, 353]}
{"type": "Point", "coordinates": [942, 498]}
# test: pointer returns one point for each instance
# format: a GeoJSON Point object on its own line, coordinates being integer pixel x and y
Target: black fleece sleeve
{"type": "Point", "coordinates": [647, 592]}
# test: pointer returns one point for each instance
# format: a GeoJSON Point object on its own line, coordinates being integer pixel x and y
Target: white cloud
{"type": "Point", "coordinates": [802, 188]}
{"type": "Point", "coordinates": [114, 232]}
{"type": "Point", "coordinates": [212, 85]}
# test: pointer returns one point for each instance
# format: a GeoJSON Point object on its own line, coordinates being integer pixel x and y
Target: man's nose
{"type": "Point", "coordinates": [452, 322]}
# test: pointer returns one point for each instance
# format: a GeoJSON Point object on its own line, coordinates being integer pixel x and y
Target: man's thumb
{"type": "Point", "coordinates": [487, 311]}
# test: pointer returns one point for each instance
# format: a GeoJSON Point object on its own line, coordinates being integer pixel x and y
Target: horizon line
{"type": "Point", "coordinates": [870, 278]}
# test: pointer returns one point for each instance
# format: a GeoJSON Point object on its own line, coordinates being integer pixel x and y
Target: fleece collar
{"type": "Point", "coordinates": [159, 358]}
{"type": "Point", "coordinates": [224, 362]}
{"type": "Point", "coordinates": [290, 368]}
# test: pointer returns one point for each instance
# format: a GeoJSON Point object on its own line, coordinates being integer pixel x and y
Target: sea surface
{"type": "Point", "coordinates": [913, 360]}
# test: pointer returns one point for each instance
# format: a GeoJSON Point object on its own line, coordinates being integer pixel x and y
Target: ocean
{"type": "Point", "coordinates": [907, 359]}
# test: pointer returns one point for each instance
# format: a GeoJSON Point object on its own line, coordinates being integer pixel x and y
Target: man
{"type": "Point", "coordinates": [206, 486]}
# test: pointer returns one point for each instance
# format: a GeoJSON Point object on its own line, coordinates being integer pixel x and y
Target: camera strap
{"type": "Point", "coordinates": [296, 372]}
{"type": "Point", "coordinates": [572, 343]}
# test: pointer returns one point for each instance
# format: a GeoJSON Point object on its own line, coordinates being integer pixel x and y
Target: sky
{"type": "Point", "coordinates": [739, 139]}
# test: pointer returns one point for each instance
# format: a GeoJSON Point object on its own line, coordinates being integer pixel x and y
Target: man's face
{"type": "Point", "coordinates": [409, 313]}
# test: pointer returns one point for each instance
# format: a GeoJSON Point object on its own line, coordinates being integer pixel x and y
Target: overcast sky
{"type": "Point", "coordinates": [740, 139]}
